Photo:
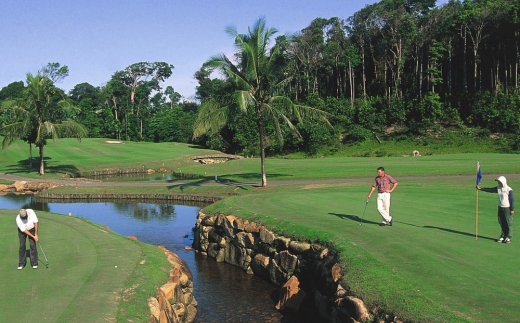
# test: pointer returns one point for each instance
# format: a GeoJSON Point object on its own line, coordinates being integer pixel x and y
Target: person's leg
{"type": "Point", "coordinates": [382, 206]}
{"type": "Point", "coordinates": [502, 236]}
{"type": "Point", "coordinates": [387, 203]}
{"type": "Point", "coordinates": [509, 225]}
{"type": "Point", "coordinates": [22, 255]}
{"type": "Point", "coordinates": [502, 221]}
{"type": "Point", "coordinates": [34, 251]}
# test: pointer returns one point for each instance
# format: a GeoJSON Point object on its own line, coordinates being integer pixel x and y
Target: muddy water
{"type": "Point", "coordinates": [224, 293]}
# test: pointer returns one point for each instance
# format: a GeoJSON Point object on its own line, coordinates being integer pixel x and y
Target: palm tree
{"type": "Point", "coordinates": [34, 117]}
{"type": "Point", "coordinates": [257, 88]}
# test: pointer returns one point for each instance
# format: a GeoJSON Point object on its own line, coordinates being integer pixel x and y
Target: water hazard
{"type": "Point", "coordinates": [224, 293]}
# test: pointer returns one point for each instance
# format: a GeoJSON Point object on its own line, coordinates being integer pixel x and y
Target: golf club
{"type": "Point", "coordinates": [46, 260]}
{"type": "Point", "coordinates": [364, 213]}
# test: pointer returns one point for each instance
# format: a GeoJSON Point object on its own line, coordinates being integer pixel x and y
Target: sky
{"type": "Point", "coordinates": [96, 38]}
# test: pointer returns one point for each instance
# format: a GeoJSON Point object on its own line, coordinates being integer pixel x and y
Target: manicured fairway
{"type": "Point", "coordinates": [428, 266]}
{"type": "Point", "coordinates": [81, 283]}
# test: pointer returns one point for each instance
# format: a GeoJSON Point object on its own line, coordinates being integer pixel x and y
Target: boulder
{"type": "Point", "coordinates": [291, 296]}
{"type": "Point", "coordinates": [288, 262]}
{"type": "Point", "coordinates": [260, 265]}
{"type": "Point", "coordinates": [19, 186]}
{"type": "Point", "coordinates": [266, 235]}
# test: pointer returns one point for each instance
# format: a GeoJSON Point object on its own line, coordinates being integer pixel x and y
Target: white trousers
{"type": "Point", "coordinates": [383, 206]}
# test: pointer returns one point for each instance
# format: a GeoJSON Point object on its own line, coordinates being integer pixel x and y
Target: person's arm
{"type": "Point", "coordinates": [35, 236]}
{"type": "Point", "coordinates": [370, 193]}
{"type": "Point", "coordinates": [488, 189]}
{"type": "Point", "coordinates": [36, 232]}
{"type": "Point", "coordinates": [511, 202]}
{"type": "Point", "coordinates": [394, 185]}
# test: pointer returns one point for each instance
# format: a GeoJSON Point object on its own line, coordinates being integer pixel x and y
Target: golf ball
{"type": "Point", "coordinates": [115, 266]}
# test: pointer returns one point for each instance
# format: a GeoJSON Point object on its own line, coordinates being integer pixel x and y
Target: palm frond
{"type": "Point", "coordinates": [72, 129]}
{"type": "Point", "coordinates": [245, 100]}
{"type": "Point", "coordinates": [275, 114]}
{"type": "Point", "coordinates": [212, 117]}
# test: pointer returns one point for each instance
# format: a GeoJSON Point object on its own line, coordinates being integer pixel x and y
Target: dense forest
{"type": "Point", "coordinates": [405, 65]}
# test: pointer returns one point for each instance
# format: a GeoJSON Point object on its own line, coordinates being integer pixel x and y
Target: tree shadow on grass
{"type": "Point", "coordinates": [353, 218]}
{"type": "Point", "coordinates": [25, 166]}
{"type": "Point", "coordinates": [224, 180]}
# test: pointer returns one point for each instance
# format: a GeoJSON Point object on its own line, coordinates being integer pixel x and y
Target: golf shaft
{"type": "Point", "coordinates": [364, 211]}
{"type": "Point", "coordinates": [47, 261]}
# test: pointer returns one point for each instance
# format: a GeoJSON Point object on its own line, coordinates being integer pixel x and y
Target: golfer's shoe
{"type": "Point", "coordinates": [20, 267]}
{"type": "Point", "coordinates": [382, 224]}
{"type": "Point", "coordinates": [391, 222]}
{"type": "Point", "coordinates": [507, 240]}
{"type": "Point", "coordinates": [35, 267]}
{"type": "Point", "coordinates": [501, 239]}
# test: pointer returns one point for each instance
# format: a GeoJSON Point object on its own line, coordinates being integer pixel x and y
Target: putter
{"type": "Point", "coordinates": [46, 260]}
{"type": "Point", "coordinates": [364, 213]}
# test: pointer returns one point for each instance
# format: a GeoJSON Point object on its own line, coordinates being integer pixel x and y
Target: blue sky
{"type": "Point", "coordinates": [99, 37]}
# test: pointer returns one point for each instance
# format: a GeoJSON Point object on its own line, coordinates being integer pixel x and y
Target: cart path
{"type": "Point", "coordinates": [271, 182]}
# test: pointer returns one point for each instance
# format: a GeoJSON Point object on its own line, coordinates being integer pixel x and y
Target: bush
{"type": "Point", "coordinates": [357, 133]}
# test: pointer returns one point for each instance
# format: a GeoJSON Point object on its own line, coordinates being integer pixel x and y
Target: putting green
{"type": "Point", "coordinates": [427, 267]}
{"type": "Point", "coordinates": [81, 283]}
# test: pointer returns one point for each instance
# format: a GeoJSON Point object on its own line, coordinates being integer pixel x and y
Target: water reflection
{"type": "Point", "coordinates": [224, 292]}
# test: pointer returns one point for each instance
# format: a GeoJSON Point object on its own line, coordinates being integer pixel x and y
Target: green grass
{"type": "Point", "coordinates": [69, 156]}
{"type": "Point", "coordinates": [427, 268]}
{"type": "Point", "coordinates": [357, 167]}
{"type": "Point", "coordinates": [81, 281]}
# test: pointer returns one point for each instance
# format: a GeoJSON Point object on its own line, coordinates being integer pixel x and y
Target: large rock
{"type": "Point", "coordinates": [235, 255]}
{"type": "Point", "coordinates": [276, 274]}
{"type": "Point", "coordinates": [291, 296]}
{"type": "Point", "coordinates": [245, 240]}
{"type": "Point", "coordinates": [251, 227]}
{"type": "Point", "coordinates": [225, 224]}
{"type": "Point", "coordinates": [356, 308]}
{"type": "Point", "coordinates": [19, 186]}
{"type": "Point", "coordinates": [297, 247]}
{"type": "Point", "coordinates": [260, 265]}
{"type": "Point", "coordinates": [266, 236]}
{"type": "Point", "coordinates": [288, 262]}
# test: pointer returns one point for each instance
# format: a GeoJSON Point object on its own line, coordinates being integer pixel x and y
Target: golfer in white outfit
{"type": "Point", "coordinates": [385, 184]}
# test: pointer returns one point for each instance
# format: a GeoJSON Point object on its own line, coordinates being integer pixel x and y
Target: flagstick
{"type": "Point", "coordinates": [479, 177]}
{"type": "Point", "coordinates": [476, 221]}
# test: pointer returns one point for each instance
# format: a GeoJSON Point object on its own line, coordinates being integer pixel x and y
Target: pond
{"type": "Point", "coordinates": [224, 293]}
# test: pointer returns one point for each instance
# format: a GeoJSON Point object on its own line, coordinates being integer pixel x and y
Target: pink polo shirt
{"type": "Point", "coordinates": [383, 183]}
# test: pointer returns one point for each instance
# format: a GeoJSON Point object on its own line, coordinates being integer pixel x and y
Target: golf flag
{"type": "Point", "coordinates": [479, 173]}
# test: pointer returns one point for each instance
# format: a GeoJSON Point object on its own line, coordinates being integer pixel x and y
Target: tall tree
{"type": "Point", "coordinates": [54, 72]}
{"type": "Point", "coordinates": [256, 89]}
{"type": "Point", "coordinates": [34, 116]}
{"type": "Point", "coordinates": [138, 74]}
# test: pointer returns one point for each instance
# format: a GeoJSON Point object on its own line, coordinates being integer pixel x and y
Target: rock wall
{"type": "Point", "coordinates": [304, 271]}
{"type": "Point", "coordinates": [23, 187]}
{"type": "Point", "coordinates": [174, 302]}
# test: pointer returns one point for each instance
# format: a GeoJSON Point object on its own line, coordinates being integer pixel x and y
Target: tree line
{"type": "Point", "coordinates": [399, 63]}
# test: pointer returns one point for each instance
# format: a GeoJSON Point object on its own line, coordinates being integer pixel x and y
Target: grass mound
{"type": "Point", "coordinates": [82, 280]}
